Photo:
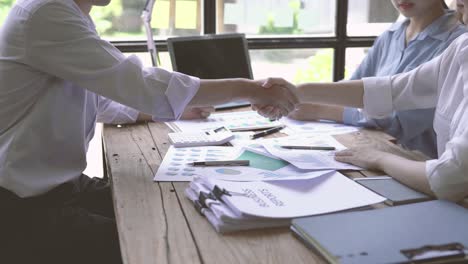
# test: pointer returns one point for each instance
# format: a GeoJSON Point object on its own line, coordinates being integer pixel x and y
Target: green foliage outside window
{"type": "Point", "coordinates": [104, 16]}
{"type": "Point", "coordinates": [5, 6]}
{"type": "Point", "coordinates": [319, 68]}
{"type": "Point", "coordinates": [270, 27]}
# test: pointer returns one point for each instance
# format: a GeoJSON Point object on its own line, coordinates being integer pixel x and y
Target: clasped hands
{"type": "Point", "coordinates": [272, 98]}
{"type": "Point", "coordinates": [276, 98]}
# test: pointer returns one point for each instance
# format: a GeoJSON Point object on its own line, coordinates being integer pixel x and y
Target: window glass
{"type": "Point", "coordinates": [370, 17]}
{"type": "Point", "coordinates": [121, 19]}
{"type": "Point", "coordinates": [354, 57]}
{"type": "Point", "coordinates": [276, 17]}
{"type": "Point", "coordinates": [5, 6]}
{"type": "Point", "coordinates": [295, 65]}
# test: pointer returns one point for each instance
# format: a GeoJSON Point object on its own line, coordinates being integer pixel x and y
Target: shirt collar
{"type": "Point", "coordinates": [439, 29]}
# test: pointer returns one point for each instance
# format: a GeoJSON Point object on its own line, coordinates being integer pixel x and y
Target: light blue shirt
{"type": "Point", "coordinates": [388, 56]}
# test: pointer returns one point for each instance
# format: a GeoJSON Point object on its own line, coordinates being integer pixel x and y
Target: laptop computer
{"type": "Point", "coordinates": [212, 57]}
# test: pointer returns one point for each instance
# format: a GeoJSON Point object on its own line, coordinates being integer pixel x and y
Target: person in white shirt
{"type": "Point", "coordinates": [439, 83]}
{"type": "Point", "coordinates": [57, 79]}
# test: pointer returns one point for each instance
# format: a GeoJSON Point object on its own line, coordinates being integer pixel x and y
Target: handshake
{"type": "Point", "coordinates": [272, 98]}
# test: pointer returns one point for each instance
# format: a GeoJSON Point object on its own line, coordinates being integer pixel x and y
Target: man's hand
{"type": "Point", "coordinates": [278, 100]}
{"type": "Point", "coordinates": [197, 112]}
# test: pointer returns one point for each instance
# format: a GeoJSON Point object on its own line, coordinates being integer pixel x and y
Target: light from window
{"type": "Point", "coordinates": [295, 65]}
{"type": "Point", "coordinates": [277, 17]}
{"type": "Point", "coordinates": [370, 17]}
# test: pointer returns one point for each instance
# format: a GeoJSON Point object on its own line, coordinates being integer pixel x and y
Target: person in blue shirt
{"type": "Point", "coordinates": [429, 29]}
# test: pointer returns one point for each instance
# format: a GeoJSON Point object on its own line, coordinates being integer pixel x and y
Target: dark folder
{"type": "Point", "coordinates": [395, 192]}
{"type": "Point", "coordinates": [414, 233]}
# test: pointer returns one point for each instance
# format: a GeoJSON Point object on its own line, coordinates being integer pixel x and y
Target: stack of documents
{"type": "Point", "coordinates": [236, 121]}
{"type": "Point", "coordinates": [232, 206]}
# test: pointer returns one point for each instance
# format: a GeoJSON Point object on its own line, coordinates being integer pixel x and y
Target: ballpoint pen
{"type": "Point", "coordinates": [309, 147]}
{"type": "Point", "coordinates": [221, 163]}
{"type": "Point", "coordinates": [266, 132]}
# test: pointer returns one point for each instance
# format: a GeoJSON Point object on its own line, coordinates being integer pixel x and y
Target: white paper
{"type": "Point", "coordinates": [175, 166]}
{"type": "Point", "coordinates": [308, 159]}
{"type": "Point", "coordinates": [235, 121]}
{"type": "Point", "coordinates": [288, 199]}
{"type": "Point", "coordinates": [324, 127]}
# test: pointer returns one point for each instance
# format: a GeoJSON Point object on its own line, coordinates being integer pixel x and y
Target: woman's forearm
{"type": "Point", "coordinates": [345, 93]}
{"type": "Point", "coordinates": [408, 172]}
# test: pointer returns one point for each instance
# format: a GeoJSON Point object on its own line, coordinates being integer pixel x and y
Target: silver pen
{"type": "Point", "coordinates": [221, 163]}
{"type": "Point", "coordinates": [309, 147]}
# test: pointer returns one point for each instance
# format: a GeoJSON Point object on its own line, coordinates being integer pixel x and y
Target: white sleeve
{"type": "Point", "coordinates": [61, 42]}
{"type": "Point", "coordinates": [110, 112]}
{"type": "Point", "coordinates": [448, 175]}
{"type": "Point", "coordinates": [416, 89]}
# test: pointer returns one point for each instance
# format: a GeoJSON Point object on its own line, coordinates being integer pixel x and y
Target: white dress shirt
{"type": "Point", "coordinates": [57, 79]}
{"type": "Point", "coordinates": [441, 82]}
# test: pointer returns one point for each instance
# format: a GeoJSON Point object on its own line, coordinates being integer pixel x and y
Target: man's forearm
{"type": "Point", "coordinates": [214, 92]}
{"type": "Point", "coordinates": [345, 93]}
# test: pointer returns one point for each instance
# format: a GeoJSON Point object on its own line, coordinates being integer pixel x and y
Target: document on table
{"type": "Point", "coordinates": [308, 159]}
{"type": "Point", "coordinates": [286, 199]}
{"type": "Point", "coordinates": [324, 127]}
{"type": "Point", "coordinates": [175, 166]}
{"type": "Point", "coordinates": [235, 121]}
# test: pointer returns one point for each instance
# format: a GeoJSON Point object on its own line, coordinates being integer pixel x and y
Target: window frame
{"type": "Point", "coordinates": [339, 43]}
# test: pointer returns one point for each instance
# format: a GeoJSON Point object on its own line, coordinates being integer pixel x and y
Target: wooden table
{"type": "Point", "coordinates": [157, 224]}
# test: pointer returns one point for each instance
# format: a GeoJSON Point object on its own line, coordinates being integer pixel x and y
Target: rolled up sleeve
{"type": "Point", "coordinates": [448, 175]}
{"type": "Point", "coordinates": [182, 88]}
{"type": "Point", "coordinates": [110, 112]}
{"type": "Point", "coordinates": [378, 100]}
{"type": "Point", "coordinates": [71, 50]}
{"type": "Point", "coordinates": [416, 89]}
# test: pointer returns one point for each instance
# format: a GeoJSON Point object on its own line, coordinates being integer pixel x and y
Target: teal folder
{"type": "Point", "coordinates": [413, 233]}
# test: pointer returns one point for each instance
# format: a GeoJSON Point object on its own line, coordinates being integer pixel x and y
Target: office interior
{"type": "Point", "coordinates": [299, 40]}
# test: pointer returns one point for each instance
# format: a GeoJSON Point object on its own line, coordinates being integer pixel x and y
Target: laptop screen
{"type": "Point", "coordinates": [211, 56]}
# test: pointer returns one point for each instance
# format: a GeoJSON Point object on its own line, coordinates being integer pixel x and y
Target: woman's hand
{"type": "Point", "coordinates": [366, 158]}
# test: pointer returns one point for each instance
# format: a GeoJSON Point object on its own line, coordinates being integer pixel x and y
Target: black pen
{"type": "Point", "coordinates": [266, 132]}
{"type": "Point", "coordinates": [309, 147]}
{"type": "Point", "coordinates": [221, 163]}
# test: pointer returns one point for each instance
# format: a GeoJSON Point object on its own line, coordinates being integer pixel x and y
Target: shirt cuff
{"type": "Point", "coordinates": [348, 116]}
{"type": "Point", "coordinates": [130, 113]}
{"type": "Point", "coordinates": [442, 177]}
{"type": "Point", "coordinates": [378, 100]}
{"type": "Point", "coordinates": [432, 172]}
{"type": "Point", "coordinates": [181, 90]}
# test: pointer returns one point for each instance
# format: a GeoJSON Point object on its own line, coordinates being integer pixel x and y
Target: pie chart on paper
{"type": "Point", "coordinates": [228, 171]}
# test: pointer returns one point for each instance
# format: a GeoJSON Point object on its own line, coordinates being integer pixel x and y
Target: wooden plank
{"type": "Point", "coordinates": [152, 227]}
{"type": "Point", "coordinates": [254, 246]}
{"type": "Point", "coordinates": [134, 153]}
